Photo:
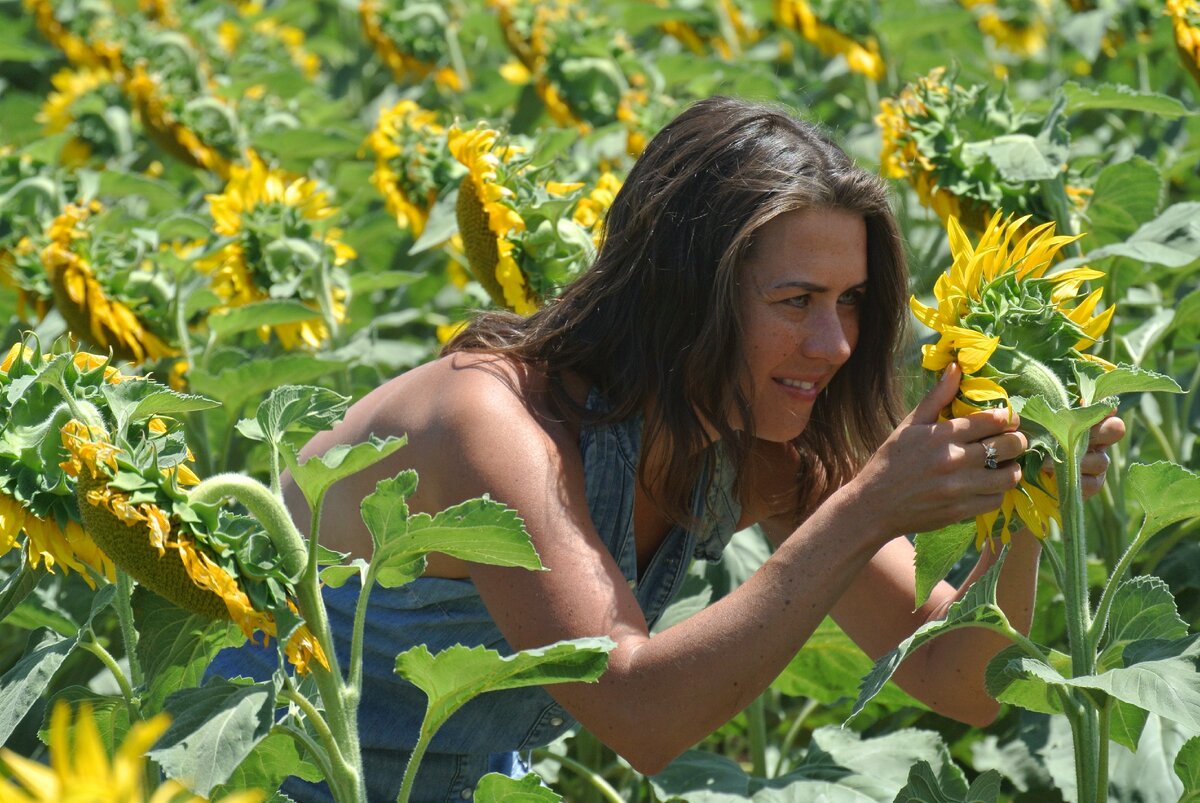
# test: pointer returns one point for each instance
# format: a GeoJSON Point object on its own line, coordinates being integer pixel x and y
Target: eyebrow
{"type": "Point", "coordinates": [813, 287]}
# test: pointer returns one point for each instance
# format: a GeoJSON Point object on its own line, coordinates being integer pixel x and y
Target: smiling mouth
{"type": "Point", "coordinates": [798, 384]}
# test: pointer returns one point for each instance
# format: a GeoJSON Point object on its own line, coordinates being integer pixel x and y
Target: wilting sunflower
{"type": "Point", "coordinates": [1018, 26]}
{"type": "Point", "coordinates": [144, 523]}
{"type": "Point", "coordinates": [936, 133]}
{"type": "Point", "coordinates": [488, 219]}
{"type": "Point", "coordinates": [721, 27]}
{"type": "Point", "coordinates": [90, 311]}
{"type": "Point", "coordinates": [272, 231]}
{"type": "Point", "coordinates": [89, 130]}
{"type": "Point", "coordinates": [1185, 21]}
{"type": "Point", "coordinates": [82, 37]}
{"type": "Point", "coordinates": [35, 496]}
{"type": "Point", "coordinates": [591, 208]}
{"type": "Point", "coordinates": [519, 230]}
{"type": "Point", "coordinates": [837, 29]}
{"type": "Point", "coordinates": [80, 770]}
{"type": "Point", "coordinates": [411, 40]}
{"type": "Point", "coordinates": [156, 109]}
{"type": "Point", "coordinates": [1014, 328]}
{"type": "Point", "coordinates": [412, 163]}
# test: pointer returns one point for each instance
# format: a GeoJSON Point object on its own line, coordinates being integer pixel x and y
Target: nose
{"type": "Point", "coordinates": [829, 338]}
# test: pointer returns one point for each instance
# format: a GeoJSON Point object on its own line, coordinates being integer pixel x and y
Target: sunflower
{"type": "Point", "coordinates": [590, 209]}
{"type": "Point", "coordinates": [148, 529]}
{"type": "Point", "coordinates": [1185, 21]}
{"type": "Point", "coordinates": [488, 220]}
{"type": "Point", "coordinates": [57, 113]}
{"type": "Point", "coordinates": [412, 163]}
{"type": "Point", "coordinates": [723, 29]}
{"type": "Point", "coordinates": [81, 771]}
{"type": "Point", "coordinates": [154, 106]}
{"type": "Point", "coordinates": [1018, 27]}
{"type": "Point", "coordinates": [411, 42]}
{"type": "Point", "coordinates": [862, 53]}
{"type": "Point", "coordinates": [82, 40]}
{"type": "Point", "coordinates": [271, 235]}
{"type": "Point", "coordinates": [91, 312]}
{"type": "Point", "coordinates": [1014, 328]}
{"type": "Point", "coordinates": [936, 135]}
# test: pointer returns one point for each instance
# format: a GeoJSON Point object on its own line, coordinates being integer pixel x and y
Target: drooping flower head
{"type": "Point", "coordinates": [1185, 22]}
{"type": "Point", "coordinates": [412, 163]}
{"type": "Point", "coordinates": [836, 29]}
{"type": "Point", "coordinates": [272, 235]}
{"type": "Point", "coordinates": [1015, 328]}
{"type": "Point", "coordinates": [1018, 26]}
{"type": "Point", "coordinates": [520, 232]}
{"type": "Point", "coordinates": [411, 40]}
{"type": "Point", "coordinates": [93, 289]}
{"type": "Point", "coordinates": [84, 103]}
{"type": "Point", "coordinates": [137, 511]}
{"type": "Point", "coordinates": [723, 27]}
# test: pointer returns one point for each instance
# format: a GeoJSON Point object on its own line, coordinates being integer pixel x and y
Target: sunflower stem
{"type": "Point", "coordinates": [1110, 589]}
{"type": "Point", "coordinates": [129, 634]}
{"type": "Point", "coordinates": [110, 663]}
{"type": "Point", "coordinates": [1086, 728]}
{"type": "Point", "coordinates": [299, 562]}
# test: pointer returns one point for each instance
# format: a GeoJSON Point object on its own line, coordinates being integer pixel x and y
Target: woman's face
{"type": "Point", "coordinates": [801, 290]}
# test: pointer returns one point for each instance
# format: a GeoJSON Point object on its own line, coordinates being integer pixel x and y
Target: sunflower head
{"type": "Point", "coordinates": [938, 135]}
{"type": "Point", "coordinates": [273, 241]}
{"type": "Point", "coordinates": [1016, 327]}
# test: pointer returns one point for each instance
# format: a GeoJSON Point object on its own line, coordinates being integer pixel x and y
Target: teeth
{"type": "Point", "coordinates": [796, 383]}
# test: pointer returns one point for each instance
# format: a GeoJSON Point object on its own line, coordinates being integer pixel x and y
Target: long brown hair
{"type": "Point", "coordinates": [654, 323]}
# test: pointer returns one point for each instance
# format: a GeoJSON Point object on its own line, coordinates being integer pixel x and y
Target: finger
{"type": "Point", "coordinates": [1007, 446]}
{"type": "Point", "coordinates": [983, 424]}
{"type": "Point", "coordinates": [936, 400]}
{"type": "Point", "coordinates": [1094, 464]}
{"type": "Point", "coordinates": [1106, 433]}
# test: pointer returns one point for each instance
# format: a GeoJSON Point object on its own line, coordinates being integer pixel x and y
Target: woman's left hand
{"type": "Point", "coordinates": [1094, 466]}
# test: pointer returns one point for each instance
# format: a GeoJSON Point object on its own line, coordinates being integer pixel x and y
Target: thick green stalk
{"type": "Point", "coordinates": [756, 722]}
{"type": "Point", "coordinates": [270, 511]}
{"type": "Point", "coordinates": [1110, 589]}
{"type": "Point", "coordinates": [1086, 725]}
{"type": "Point", "coordinates": [603, 787]}
{"type": "Point", "coordinates": [129, 632]}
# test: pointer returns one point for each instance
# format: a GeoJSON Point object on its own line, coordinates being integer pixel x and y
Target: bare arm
{"type": "Point", "coordinates": [661, 695]}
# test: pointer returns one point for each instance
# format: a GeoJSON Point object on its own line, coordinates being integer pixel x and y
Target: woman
{"type": "Point", "coordinates": [727, 361]}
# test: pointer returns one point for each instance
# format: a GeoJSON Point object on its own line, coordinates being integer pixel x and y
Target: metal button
{"type": "Point", "coordinates": [466, 793]}
{"type": "Point", "coordinates": [556, 721]}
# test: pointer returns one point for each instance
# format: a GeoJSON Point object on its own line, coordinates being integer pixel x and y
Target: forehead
{"type": "Point", "coordinates": [822, 246]}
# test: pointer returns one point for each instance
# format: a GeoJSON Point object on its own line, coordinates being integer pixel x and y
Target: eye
{"type": "Point", "coordinates": [799, 302]}
{"type": "Point", "coordinates": [852, 297]}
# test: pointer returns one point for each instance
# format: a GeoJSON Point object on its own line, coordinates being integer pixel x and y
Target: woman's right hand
{"type": "Point", "coordinates": [931, 473]}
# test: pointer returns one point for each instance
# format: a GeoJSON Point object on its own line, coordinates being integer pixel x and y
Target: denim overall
{"type": "Point", "coordinates": [495, 731]}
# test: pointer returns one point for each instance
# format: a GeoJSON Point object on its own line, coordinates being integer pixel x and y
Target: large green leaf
{"type": "Point", "coordinates": [236, 385]}
{"type": "Point", "coordinates": [213, 729]}
{"type": "Point", "coordinates": [949, 786]}
{"type": "Point", "coordinates": [1172, 239]}
{"type": "Point", "coordinates": [1159, 676]}
{"type": "Point", "coordinates": [828, 668]}
{"type": "Point", "coordinates": [1167, 493]}
{"type": "Point", "coordinates": [1067, 425]}
{"type": "Point", "coordinates": [497, 788]}
{"type": "Point", "coordinates": [138, 399]}
{"type": "Point", "coordinates": [1121, 97]}
{"type": "Point", "coordinates": [249, 317]}
{"type": "Point", "coordinates": [840, 767]}
{"type": "Point", "coordinates": [28, 679]}
{"type": "Point", "coordinates": [1006, 680]}
{"type": "Point", "coordinates": [269, 763]}
{"type": "Point", "coordinates": [1142, 608]}
{"type": "Point", "coordinates": [317, 475]}
{"type": "Point", "coordinates": [1126, 723]}
{"type": "Point", "coordinates": [1126, 195]}
{"type": "Point", "coordinates": [1018, 157]}
{"type": "Point", "coordinates": [301, 408]}
{"type": "Point", "coordinates": [478, 530]}
{"type": "Point", "coordinates": [110, 713]}
{"type": "Point", "coordinates": [976, 608]}
{"type": "Point", "coordinates": [19, 585]}
{"type": "Point", "coordinates": [1125, 379]}
{"type": "Point", "coordinates": [1146, 773]}
{"type": "Point", "coordinates": [458, 674]}
{"type": "Point", "coordinates": [1187, 767]}
{"type": "Point", "coordinates": [175, 646]}
{"type": "Point", "coordinates": [936, 554]}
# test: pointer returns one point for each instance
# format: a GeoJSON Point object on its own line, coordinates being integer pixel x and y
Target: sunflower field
{"type": "Point", "coordinates": [221, 222]}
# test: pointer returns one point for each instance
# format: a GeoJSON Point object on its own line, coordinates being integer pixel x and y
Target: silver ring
{"type": "Point", "coordinates": [989, 455]}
